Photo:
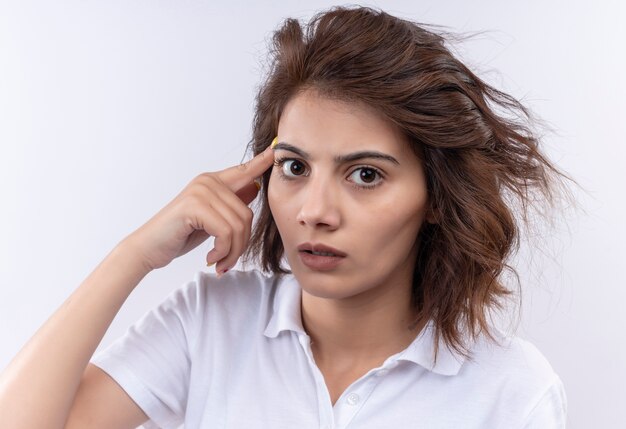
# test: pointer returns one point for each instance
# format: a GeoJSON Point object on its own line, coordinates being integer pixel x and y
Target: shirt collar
{"type": "Point", "coordinates": [421, 351]}
{"type": "Point", "coordinates": [286, 316]}
{"type": "Point", "coordinates": [286, 308]}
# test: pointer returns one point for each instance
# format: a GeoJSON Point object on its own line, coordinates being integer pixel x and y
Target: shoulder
{"type": "Point", "coordinates": [233, 285]}
{"type": "Point", "coordinates": [511, 356]}
{"type": "Point", "coordinates": [237, 293]}
{"type": "Point", "coordinates": [515, 371]}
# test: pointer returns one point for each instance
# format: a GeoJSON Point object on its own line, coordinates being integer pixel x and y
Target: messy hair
{"type": "Point", "coordinates": [481, 156]}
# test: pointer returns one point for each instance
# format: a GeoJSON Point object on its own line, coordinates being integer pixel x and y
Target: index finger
{"type": "Point", "coordinates": [240, 175]}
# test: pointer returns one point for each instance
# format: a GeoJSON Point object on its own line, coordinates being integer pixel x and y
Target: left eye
{"type": "Point", "coordinates": [365, 176]}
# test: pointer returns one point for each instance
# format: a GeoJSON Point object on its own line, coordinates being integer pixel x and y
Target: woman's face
{"type": "Point", "coordinates": [322, 191]}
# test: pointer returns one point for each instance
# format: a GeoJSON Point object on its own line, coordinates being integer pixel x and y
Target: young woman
{"type": "Point", "coordinates": [386, 218]}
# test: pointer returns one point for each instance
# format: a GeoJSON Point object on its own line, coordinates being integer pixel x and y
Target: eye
{"type": "Point", "coordinates": [290, 167]}
{"type": "Point", "coordinates": [366, 177]}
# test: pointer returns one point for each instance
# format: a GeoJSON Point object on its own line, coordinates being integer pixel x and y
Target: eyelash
{"type": "Point", "coordinates": [280, 161]}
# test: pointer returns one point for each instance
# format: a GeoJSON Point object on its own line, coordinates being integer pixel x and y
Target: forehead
{"type": "Point", "coordinates": [311, 120]}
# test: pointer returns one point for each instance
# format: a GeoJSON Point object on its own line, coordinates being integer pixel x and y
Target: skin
{"type": "Point", "coordinates": [359, 313]}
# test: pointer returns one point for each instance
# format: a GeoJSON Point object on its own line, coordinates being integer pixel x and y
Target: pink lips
{"type": "Point", "coordinates": [319, 247]}
{"type": "Point", "coordinates": [320, 262]}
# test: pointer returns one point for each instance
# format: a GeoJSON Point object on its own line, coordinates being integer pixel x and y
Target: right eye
{"type": "Point", "coordinates": [290, 168]}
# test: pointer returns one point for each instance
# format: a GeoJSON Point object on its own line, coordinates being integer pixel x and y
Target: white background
{"type": "Point", "coordinates": [108, 109]}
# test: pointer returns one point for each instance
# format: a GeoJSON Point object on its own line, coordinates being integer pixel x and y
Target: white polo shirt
{"type": "Point", "coordinates": [232, 353]}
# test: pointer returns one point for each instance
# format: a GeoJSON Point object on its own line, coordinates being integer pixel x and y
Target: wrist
{"type": "Point", "coordinates": [130, 256]}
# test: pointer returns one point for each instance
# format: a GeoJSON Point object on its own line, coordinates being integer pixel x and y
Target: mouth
{"type": "Point", "coordinates": [320, 249]}
{"type": "Point", "coordinates": [319, 253]}
{"type": "Point", "coordinates": [320, 257]}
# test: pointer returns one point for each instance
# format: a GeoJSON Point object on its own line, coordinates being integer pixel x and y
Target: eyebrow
{"type": "Point", "coordinates": [341, 158]}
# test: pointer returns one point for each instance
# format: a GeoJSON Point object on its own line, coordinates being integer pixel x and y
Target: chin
{"type": "Point", "coordinates": [325, 292]}
{"type": "Point", "coordinates": [328, 284]}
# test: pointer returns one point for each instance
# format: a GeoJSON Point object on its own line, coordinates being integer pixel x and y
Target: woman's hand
{"type": "Point", "coordinates": [211, 204]}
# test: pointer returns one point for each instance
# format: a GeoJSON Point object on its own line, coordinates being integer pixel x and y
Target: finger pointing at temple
{"type": "Point", "coordinates": [239, 176]}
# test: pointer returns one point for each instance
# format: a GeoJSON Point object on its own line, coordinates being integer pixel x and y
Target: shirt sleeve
{"type": "Point", "coordinates": [151, 362]}
{"type": "Point", "coordinates": [551, 409]}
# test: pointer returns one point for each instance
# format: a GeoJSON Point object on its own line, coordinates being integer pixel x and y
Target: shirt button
{"type": "Point", "coordinates": [382, 372]}
{"type": "Point", "coordinates": [353, 399]}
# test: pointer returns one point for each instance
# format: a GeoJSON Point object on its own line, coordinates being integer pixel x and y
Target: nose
{"type": "Point", "coordinates": [319, 208]}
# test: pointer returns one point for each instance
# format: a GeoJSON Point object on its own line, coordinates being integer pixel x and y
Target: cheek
{"type": "Point", "coordinates": [397, 226]}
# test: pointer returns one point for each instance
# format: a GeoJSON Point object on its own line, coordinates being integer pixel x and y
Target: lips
{"type": "Point", "coordinates": [319, 247]}
{"type": "Point", "coordinates": [328, 260]}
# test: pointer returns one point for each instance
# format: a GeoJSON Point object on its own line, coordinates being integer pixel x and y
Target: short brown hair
{"type": "Point", "coordinates": [481, 165]}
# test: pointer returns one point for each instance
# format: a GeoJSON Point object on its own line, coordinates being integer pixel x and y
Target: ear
{"type": "Point", "coordinates": [431, 215]}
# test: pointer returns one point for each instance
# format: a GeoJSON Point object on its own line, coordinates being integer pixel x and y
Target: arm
{"type": "Point", "coordinates": [38, 387]}
{"type": "Point", "coordinates": [48, 384]}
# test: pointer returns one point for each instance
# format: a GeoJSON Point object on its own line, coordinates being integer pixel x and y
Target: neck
{"type": "Point", "coordinates": [361, 329]}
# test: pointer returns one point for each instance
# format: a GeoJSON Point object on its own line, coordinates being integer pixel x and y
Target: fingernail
{"type": "Point", "coordinates": [258, 185]}
{"type": "Point", "coordinates": [210, 264]}
{"type": "Point", "coordinates": [274, 142]}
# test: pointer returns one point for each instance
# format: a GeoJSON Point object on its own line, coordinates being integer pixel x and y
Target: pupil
{"type": "Point", "coordinates": [295, 168]}
{"type": "Point", "coordinates": [367, 174]}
